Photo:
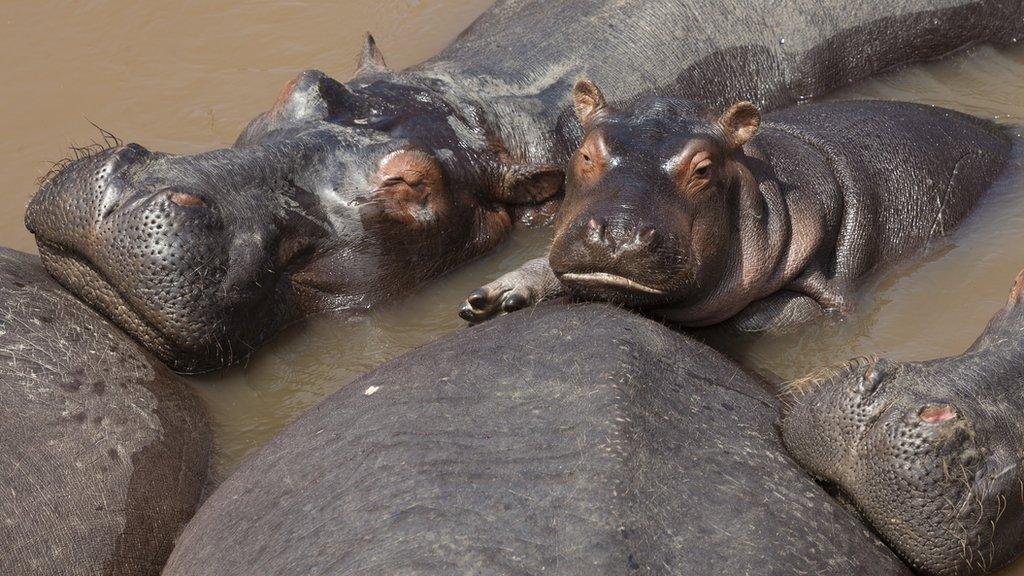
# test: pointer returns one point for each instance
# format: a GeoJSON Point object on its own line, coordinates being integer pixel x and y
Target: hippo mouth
{"type": "Point", "coordinates": [86, 282]}
{"type": "Point", "coordinates": [606, 280]}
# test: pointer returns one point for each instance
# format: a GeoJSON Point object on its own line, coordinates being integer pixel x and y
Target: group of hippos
{"type": "Point", "coordinates": [583, 435]}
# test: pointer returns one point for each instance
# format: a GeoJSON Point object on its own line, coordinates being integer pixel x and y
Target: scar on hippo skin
{"type": "Point", "coordinates": [759, 225]}
{"type": "Point", "coordinates": [930, 454]}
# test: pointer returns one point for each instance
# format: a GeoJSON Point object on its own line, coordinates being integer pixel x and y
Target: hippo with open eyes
{"type": "Point", "coordinates": [562, 440]}
{"type": "Point", "coordinates": [702, 219]}
{"type": "Point", "coordinates": [104, 453]}
{"type": "Point", "coordinates": [344, 195]}
{"type": "Point", "coordinates": [930, 454]}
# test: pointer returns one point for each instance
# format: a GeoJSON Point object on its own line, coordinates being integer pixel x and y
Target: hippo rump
{"type": "Point", "coordinates": [563, 440]}
{"type": "Point", "coordinates": [931, 454]}
{"type": "Point", "coordinates": [103, 452]}
{"type": "Point", "coordinates": [702, 218]}
{"type": "Point", "coordinates": [343, 196]}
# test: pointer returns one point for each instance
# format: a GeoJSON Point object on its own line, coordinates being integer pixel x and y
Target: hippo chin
{"type": "Point", "coordinates": [929, 453]}
{"type": "Point", "coordinates": [599, 443]}
{"type": "Point", "coordinates": [103, 452]}
{"type": "Point", "coordinates": [702, 218]}
{"type": "Point", "coordinates": [344, 195]}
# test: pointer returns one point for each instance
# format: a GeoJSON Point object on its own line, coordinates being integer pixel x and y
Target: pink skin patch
{"type": "Point", "coordinates": [936, 414]}
{"type": "Point", "coordinates": [183, 199]}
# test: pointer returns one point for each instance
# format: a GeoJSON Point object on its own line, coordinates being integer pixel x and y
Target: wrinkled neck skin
{"type": "Point", "coordinates": [772, 241]}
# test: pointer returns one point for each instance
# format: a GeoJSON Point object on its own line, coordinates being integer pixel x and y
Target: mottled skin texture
{"type": "Point", "coordinates": [598, 443]}
{"type": "Point", "coordinates": [702, 217]}
{"type": "Point", "coordinates": [103, 452]}
{"type": "Point", "coordinates": [343, 196]}
{"type": "Point", "coordinates": [931, 454]}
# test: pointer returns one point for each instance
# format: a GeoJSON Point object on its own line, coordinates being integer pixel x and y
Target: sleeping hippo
{"type": "Point", "coordinates": [702, 218]}
{"type": "Point", "coordinates": [344, 195]}
{"type": "Point", "coordinates": [931, 454]}
{"type": "Point", "coordinates": [103, 452]}
{"type": "Point", "coordinates": [600, 442]}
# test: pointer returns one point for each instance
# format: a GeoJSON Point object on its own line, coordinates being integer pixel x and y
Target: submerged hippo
{"type": "Point", "coordinates": [345, 195]}
{"type": "Point", "coordinates": [931, 454]}
{"type": "Point", "coordinates": [703, 219]}
{"type": "Point", "coordinates": [103, 452]}
{"type": "Point", "coordinates": [600, 443]}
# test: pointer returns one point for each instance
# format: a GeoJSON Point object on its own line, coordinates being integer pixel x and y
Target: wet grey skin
{"type": "Point", "coordinates": [708, 217]}
{"type": "Point", "coordinates": [104, 453]}
{"type": "Point", "coordinates": [571, 440]}
{"type": "Point", "coordinates": [930, 454]}
{"type": "Point", "coordinates": [343, 196]}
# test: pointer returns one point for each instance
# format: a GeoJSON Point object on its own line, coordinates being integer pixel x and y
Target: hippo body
{"type": "Point", "coordinates": [930, 454]}
{"type": "Point", "coordinates": [564, 440]}
{"type": "Point", "coordinates": [342, 196]}
{"type": "Point", "coordinates": [672, 216]}
{"type": "Point", "coordinates": [103, 452]}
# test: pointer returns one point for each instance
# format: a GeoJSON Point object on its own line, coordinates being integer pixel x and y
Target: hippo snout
{"type": "Point", "coordinates": [626, 259]}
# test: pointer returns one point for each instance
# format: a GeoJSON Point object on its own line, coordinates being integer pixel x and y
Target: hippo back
{"type": "Point", "coordinates": [562, 440]}
{"type": "Point", "coordinates": [906, 174]}
{"type": "Point", "coordinates": [772, 52]}
{"type": "Point", "coordinates": [103, 453]}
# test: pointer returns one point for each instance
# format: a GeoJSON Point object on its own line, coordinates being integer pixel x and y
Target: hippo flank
{"type": "Point", "coordinates": [702, 218]}
{"type": "Point", "coordinates": [931, 454]}
{"type": "Point", "coordinates": [342, 196]}
{"type": "Point", "coordinates": [601, 443]}
{"type": "Point", "coordinates": [103, 451]}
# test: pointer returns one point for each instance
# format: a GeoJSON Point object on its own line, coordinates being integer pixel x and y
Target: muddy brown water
{"type": "Point", "coordinates": [187, 78]}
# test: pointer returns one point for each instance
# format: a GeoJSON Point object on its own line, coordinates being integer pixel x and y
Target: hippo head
{"type": "Point", "coordinates": [930, 453]}
{"type": "Point", "coordinates": [645, 217]}
{"type": "Point", "coordinates": [336, 198]}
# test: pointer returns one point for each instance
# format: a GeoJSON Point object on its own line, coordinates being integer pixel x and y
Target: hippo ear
{"type": "Point", "coordinates": [528, 183]}
{"type": "Point", "coordinates": [371, 60]}
{"type": "Point", "coordinates": [313, 94]}
{"type": "Point", "coordinates": [588, 101]}
{"type": "Point", "coordinates": [739, 123]}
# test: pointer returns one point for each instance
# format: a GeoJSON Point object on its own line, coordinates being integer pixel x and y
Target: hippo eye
{"type": "Point", "coordinates": [702, 169]}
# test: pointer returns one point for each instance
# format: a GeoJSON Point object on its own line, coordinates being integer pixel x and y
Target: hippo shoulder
{"type": "Point", "coordinates": [561, 439]}
{"type": "Point", "coordinates": [103, 452]}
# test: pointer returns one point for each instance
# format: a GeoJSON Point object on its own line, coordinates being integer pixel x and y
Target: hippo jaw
{"type": "Point", "coordinates": [924, 466]}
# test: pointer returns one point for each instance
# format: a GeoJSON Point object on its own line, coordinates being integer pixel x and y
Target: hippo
{"type": "Point", "coordinates": [346, 195]}
{"type": "Point", "coordinates": [600, 442]}
{"type": "Point", "coordinates": [702, 218]}
{"type": "Point", "coordinates": [104, 452]}
{"type": "Point", "coordinates": [931, 454]}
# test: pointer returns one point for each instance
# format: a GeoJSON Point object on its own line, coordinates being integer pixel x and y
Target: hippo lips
{"type": "Point", "coordinates": [91, 287]}
{"type": "Point", "coordinates": [606, 280]}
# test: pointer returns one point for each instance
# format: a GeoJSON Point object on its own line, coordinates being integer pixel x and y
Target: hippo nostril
{"type": "Point", "coordinates": [647, 236]}
{"type": "Point", "coordinates": [937, 413]}
{"type": "Point", "coordinates": [596, 231]}
{"type": "Point", "coordinates": [186, 200]}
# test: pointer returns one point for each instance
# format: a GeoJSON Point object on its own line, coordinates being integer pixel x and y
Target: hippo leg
{"type": "Point", "coordinates": [777, 313]}
{"type": "Point", "coordinates": [525, 286]}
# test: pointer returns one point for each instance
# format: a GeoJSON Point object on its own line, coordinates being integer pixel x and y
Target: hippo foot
{"type": "Point", "coordinates": [521, 288]}
{"type": "Point", "coordinates": [495, 299]}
